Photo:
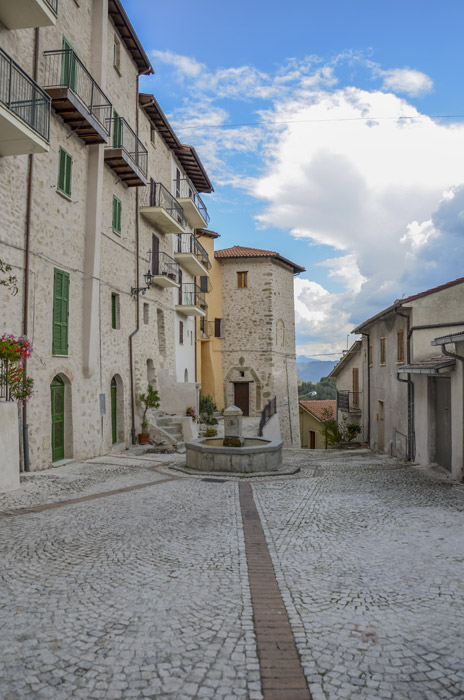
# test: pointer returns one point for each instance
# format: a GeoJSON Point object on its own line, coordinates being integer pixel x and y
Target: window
{"type": "Point", "coordinates": [60, 312]}
{"type": "Point", "coordinates": [115, 311]}
{"type": "Point", "coordinates": [204, 283]}
{"type": "Point", "coordinates": [382, 351]}
{"type": "Point", "coordinates": [153, 135]}
{"type": "Point", "coordinates": [217, 327]}
{"type": "Point", "coordinates": [146, 313]}
{"type": "Point", "coordinates": [355, 387]}
{"type": "Point", "coordinates": [400, 345]}
{"type": "Point", "coordinates": [117, 130]}
{"type": "Point", "coordinates": [242, 281]}
{"type": "Point", "coordinates": [117, 209]}
{"type": "Point", "coordinates": [64, 172]}
{"type": "Point", "coordinates": [117, 54]}
{"type": "Point", "coordinates": [181, 333]}
{"type": "Point", "coordinates": [177, 182]}
{"type": "Point", "coordinates": [370, 356]}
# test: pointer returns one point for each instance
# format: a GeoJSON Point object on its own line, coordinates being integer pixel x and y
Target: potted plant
{"type": "Point", "coordinates": [150, 400]}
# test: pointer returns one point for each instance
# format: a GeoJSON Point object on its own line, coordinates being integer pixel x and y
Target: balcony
{"type": "Point", "coordinates": [23, 14]}
{"type": "Point", "coordinates": [24, 111]}
{"type": "Point", "coordinates": [128, 157]}
{"type": "Point", "coordinates": [162, 210]}
{"type": "Point", "coordinates": [191, 255]}
{"type": "Point", "coordinates": [349, 401]}
{"type": "Point", "coordinates": [192, 204]}
{"type": "Point", "coordinates": [206, 329]}
{"type": "Point", "coordinates": [191, 301]}
{"type": "Point", "coordinates": [165, 271]}
{"type": "Point", "coordinates": [76, 97]}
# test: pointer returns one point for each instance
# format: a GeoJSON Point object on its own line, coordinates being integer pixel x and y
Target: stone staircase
{"type": "Point", "coordinates": [171, 427]}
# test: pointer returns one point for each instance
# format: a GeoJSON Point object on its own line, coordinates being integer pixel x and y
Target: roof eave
{"type": "Point", "coordinates": [127, 33]}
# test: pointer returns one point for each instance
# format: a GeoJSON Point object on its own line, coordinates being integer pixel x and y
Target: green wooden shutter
{"type": "Point", "coordinates": [114, 411]}
{"type": "Point", "coordinates": [113, 312]}
{"type": "Point", "coordinates": [117, 212]}
{"type": "Point", "coordinates": [60, 313]}
{"type": "Point", "coordinates": [65, 172]}
{"type": "Point", "coordinates": [68, 65]}
{"type": "Point", "coordinates": [117, 130]}
{"type": "Point", "coordinates": [57, 397]}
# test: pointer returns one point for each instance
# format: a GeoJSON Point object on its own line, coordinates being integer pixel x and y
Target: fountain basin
{"type": "Point", "coordinates": [257, 455]}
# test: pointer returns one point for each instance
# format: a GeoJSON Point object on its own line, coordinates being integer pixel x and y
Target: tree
{"type": "Point", "coordinates": [325, 389]}
{"type": "Point", "coordinates": [150, 400]}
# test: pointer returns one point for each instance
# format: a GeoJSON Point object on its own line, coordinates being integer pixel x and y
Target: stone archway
{"type": "Point", "coordinates": [241, 374]}
{"type": "Point", "coordinates": [61, 417]}
{"type": "Point", "coordinates": [117, 409]}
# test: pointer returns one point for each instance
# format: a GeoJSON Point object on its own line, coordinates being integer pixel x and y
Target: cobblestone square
{"type": "Point", "coordinates": [124, 578]}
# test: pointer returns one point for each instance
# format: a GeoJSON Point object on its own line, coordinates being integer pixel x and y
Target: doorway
{"type": "Point", "coordinates": [312, 440]}
{"type": "Point", "coordinates": [443, 422]}
{"type": "Point", "coordinates": [58, 425]}
{"type": "Point", "coordinates": [114, 411]}
{"type": "Point", "coordinates": [380, 427]}
{"type": "Point", "coordinates": [242, 397]}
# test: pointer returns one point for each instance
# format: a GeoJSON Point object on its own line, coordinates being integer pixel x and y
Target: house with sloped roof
{"type": "Point", "coordinates": [313, 415]}
{"type": "Point", "coordinates": [348, 377]}
{"type": "Point", "coordinates": [412, 379]}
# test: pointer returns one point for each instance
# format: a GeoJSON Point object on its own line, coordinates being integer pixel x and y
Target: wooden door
{"type": "Point", "coordinates": [312, 440]}
{"type": "Point", "coordinates": [380, 428]}
{"type": "Point", "coordinates": [242, 397]}
{"type": "Point", "coordinates": [57, 398]}
{"type": "Point", "coordinates": [114, 409]}
{"type": "Point", "coordinates": [155, 246]}
{"type": "Point", "coordinates": [443, 422]}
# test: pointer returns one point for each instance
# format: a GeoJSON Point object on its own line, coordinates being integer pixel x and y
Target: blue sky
{"type": "Point", "coordinates": [341, 164]}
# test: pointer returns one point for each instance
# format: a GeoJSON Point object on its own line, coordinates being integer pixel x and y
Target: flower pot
{"type": "Point", "coordinates": [143, 438]}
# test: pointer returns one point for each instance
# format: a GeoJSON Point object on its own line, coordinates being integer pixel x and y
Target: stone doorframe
{"type": "Point", "coordinates": [238, 374]}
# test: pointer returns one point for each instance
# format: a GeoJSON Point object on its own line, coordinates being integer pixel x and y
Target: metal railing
{"type": "Point", "coordinates": [190, 294]}
{"type": "Point", "coordinates": [65, 69]}
{"type": "Point", "coordinates": [5, 394]}
{"type": "Point", "coordinates": [206, 328]}
{"type": "Point", "coordinates": [163, 264]}
{"type": "Point", "coordinates": [159, 196]}
{"type": "Point", "coordinates": [124, 137]}
{"type": "Point", "coordinates": [53, 4]}
{"type": "Point", "coordinates": [266, 414]}
{"type": "Point", "coordinates": [187, 243]}
{"type": "Point", "coordinates": [186, 188]}
{"type": "Point", "coordinates": [22, 96]}
{"type": "Point", "coordinates": [349, 400]}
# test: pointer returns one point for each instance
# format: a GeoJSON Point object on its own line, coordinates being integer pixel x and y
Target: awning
{"type": "Point", "coordinates": [432, 365]}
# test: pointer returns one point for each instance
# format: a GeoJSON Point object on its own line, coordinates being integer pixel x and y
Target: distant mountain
{"type": "Point", "coordinates": [312, 370]}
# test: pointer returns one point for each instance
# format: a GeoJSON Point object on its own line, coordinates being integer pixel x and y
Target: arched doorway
{"type": "Point", "coordinates": [114, 410]}
{"type": "Point", "coordinates": [58, 418]}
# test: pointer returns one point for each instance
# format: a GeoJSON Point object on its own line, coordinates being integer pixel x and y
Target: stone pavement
{"type": "Point", "coordinates": [123, 578]}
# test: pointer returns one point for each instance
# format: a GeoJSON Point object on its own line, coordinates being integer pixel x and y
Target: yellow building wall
{"type": "Point", "coordinates": [307, 423]}
{"type": "Point", "coordinates": [208, 355]}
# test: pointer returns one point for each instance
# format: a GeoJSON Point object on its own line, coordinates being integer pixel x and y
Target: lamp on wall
{"type": "Point", "coordinates": [148, 277]}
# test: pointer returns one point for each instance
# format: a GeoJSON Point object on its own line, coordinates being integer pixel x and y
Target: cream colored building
{"type": "Point", "coordinates": [258, 336]}
{"type": "Point", "coordinates": [97, 195]}
{"type": "Point", "coordinates": [313, 415]}
{"type": "Point", "coordinates": [349, 381]}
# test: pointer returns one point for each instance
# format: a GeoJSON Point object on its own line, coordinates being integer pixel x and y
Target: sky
{"type": "Point", "coordinates": [333, 133]}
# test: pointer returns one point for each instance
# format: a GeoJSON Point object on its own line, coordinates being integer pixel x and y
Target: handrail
{"type": "Point", "coordinates": [65, 69]}
{"type": "Point", "coordinates": [266, 414]}
{"type": "Point", "coordinates": [22, 96]}
{"type": "Point", "coordinates": [348, 400]}
{"type": "Point", "coordinates": [124, 137]}
{"type": "Point", "coordinates": [164, 264]}
{"type": "Point", "coordinates": [187, 243]}
{"type": "Point", "coordinates": [159, 196]}
{"type": "Point", "coordinates": [5, 393]}
{"type": "Point", "coordinates": [185, 188]}
{"type": "Point", "coordinates": [190, 294]}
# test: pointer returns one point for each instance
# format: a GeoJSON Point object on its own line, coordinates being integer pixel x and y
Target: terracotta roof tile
{"type": "Point", "coordinates": [239, 251]}
{"type": "Point", "coordinates": [317, 408]}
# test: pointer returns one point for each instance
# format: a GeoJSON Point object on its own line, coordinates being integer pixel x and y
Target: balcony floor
{"type": "Point", "coordinates": [192, 213]}
{"type": "Point", "coordinates": [190, 262]}
{"type": "Point", "coordinates": [17, 137]}
{"type": "Point", "coordinates": [165, 281]}
{"type": "Point", "coordinates": [24, 14]}
{"type": "Point", "coordinates": [190, 310]}
{"type": "Point", "coordinates": [124, 167]}
{"type": "Point", "coordinates": [68, 106]}
{"type": "Point", "coordinates": [162, 219]}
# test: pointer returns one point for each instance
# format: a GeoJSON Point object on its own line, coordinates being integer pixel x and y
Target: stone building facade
{"type": "Point", "coordinates": [258, 344]}
{"type": "Point", "coordinates": [96, 191]}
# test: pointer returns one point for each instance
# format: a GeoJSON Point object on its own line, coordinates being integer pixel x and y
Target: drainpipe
{"type": "Point", "coordinates": [461, 360]}
{"type": "Point", "coordinates": [411, 449]}
{"type": "Point", "coordinates": [368, 391]}
{"type": "Point", "coordinates": [289, 403]}
{"type": "Point", "coordinates": [26, 463]}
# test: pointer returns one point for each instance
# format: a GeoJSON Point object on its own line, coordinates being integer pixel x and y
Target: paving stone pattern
{"type": "Point", "coordinates": [146, 593]}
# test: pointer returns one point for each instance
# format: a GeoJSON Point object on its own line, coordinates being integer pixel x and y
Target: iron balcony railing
{"type": "Point", "coordinates": [187, 243]}
{"type": "Point", "coordinates": [186, 188]}
{"type": "Point", "coordinates": [124, 137]}
{"type": "Point", "coordinates": [65, 69]}
{"type": "Point", "coordinates": [206, 328]}
{"type": "Point", "coordinates": [190, 294]}
{"type": "Point", "coordinates": [266, 414]}
{"type": "Point", "coordinates": [53, 4]}
{"type": "Point", "coordinates": [5, 393]}
{"type": "Point", "coordinates": [163, 264]}
{"type": "Point", "coordinates": [349, 400]}
{"type": "Point", "coordinates": [22, 96]}
{"type": "Point", "coordinates": [159, 196]}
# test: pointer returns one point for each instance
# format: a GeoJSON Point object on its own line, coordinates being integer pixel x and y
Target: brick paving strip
{"type": "Point", "coordinates": [82, 499]}
{"type": "Point", "coordinates": [282, 676]}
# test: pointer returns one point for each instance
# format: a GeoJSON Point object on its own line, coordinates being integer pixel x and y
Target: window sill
{"type": "Point", "coordinates": [64, 195]}
{"type": "Point", "coordinates": [118, 233]}
{"type": "Point", "coordinates": [56, 354]}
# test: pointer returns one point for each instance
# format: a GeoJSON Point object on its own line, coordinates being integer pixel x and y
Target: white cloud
{"type": "Point", "coordinates": [407, 81]}
{"type": "Point", "coordinates": [185, 65]}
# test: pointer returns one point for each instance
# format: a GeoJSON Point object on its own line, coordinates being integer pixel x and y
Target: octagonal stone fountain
{"type": "Point", "coordinates": [235, 454]}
